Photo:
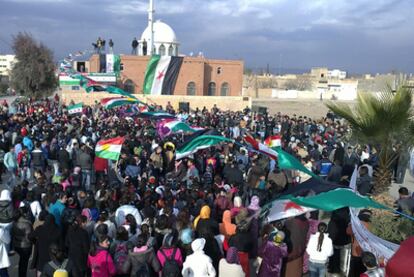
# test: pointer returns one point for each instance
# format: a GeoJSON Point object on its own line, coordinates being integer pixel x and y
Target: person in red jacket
{"type": "Point", "coordinates": [101, 168]}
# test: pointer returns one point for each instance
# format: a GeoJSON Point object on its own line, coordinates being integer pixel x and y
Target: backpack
{"type": "Point", "coordinates": [59, 271]}
{"type": "Point", "coordinates": [171, 267]}
{"type": "Point", "coordinates": [143, 270]}
{"type": "Point", "coordinates": [121, 258]}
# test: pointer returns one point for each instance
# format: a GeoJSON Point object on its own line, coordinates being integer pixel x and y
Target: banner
{"type": "Point", "coordinates": [367, 240]}
{"type": "Point", "coordinates": [109, 63]}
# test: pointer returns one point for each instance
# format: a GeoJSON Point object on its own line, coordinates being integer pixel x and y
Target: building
{"type": "Point", "coordinates": [198, 76]}
{"type": "Point", "coordinates": [336, 74]}
{"type": "Point", "coordinates": [6, 64]}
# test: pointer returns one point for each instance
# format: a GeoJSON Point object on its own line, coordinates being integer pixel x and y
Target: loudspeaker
{"type": "Point", "coordinates": [184, 106]}
{"type": "Point", "coordinates": [262, 110]}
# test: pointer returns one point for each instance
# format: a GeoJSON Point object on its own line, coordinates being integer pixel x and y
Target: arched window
{"type": "Point", "coordinates": [191, 88]}
{"type": "Point", "coordinates": [225, 89]}
{"type": "Point", "coordinates": [171, 51]}
{"type": "Point", "coordinates": [161, 50]}
{"type": "Point", "coordinates": [211, 89]}
{"type": "Point", "coordinates": [129, 86]}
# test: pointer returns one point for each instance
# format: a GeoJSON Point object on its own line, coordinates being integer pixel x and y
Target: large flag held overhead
{"type": "Point", "coordinates": [77, 108]}
{"type": "Point", "coordinates": [161, 74]}
{"type": "Point", "coordinates": [336, 199]}
{"type": "Point", "coordinates": [285, 160]}
{"type": "Point", "coordinates": [201, 142]}
{"type": "Point", "coordinates": [113, 102]}
{"type": "Point", "coordinates": [155, 115]}
{"type": "Point", "coordinates": [170, 126]}
{"type": "Point", "coordinates": [109, 149]}
{"type": "Point", "coordinates": [285, 208]}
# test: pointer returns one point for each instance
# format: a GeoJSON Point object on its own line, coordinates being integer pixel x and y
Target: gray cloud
{"type": "Point", "coordinates": [359, 36]}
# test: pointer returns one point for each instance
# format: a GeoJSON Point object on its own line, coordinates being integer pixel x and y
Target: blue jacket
{"type": "Point", "coordinates": [56, 210]}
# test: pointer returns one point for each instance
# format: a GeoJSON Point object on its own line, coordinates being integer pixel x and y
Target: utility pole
{"type": "Point", "coordinates": [151, 25]}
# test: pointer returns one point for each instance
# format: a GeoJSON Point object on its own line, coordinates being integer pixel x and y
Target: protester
{"type": "Point", "coordinates": [198, 264]}
{"type": "Point", "coordinates": [121, 216]}
{"type": "Point", "coordinates": [230, 266]}
{"type": "Point", "coordinates": [21, 229]}
{"type": "Point", "coordinates": [319, 248]}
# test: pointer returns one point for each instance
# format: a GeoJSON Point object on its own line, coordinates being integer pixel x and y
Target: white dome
{"type": "Point", "coordinates": [163, 33]}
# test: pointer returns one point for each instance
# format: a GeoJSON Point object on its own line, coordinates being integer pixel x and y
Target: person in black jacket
{"type": "Point", "coordinates": [21, 229]}
{"type": "Point", "coordinates": [57, 261]}
{"type": "Point", "coordinates": [77, 242]}
{"type": "Point", "coordinates": [38, 159]}
{"type": "Point", "coordinates": [63, 158]}
{"type": "Point", "coordinates": [43, 236]}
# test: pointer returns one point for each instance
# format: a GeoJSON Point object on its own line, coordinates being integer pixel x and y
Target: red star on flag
{"type": "Point", "coordinates": [160, 75]}
{"type": "Point", "coordinates": [292, 205]}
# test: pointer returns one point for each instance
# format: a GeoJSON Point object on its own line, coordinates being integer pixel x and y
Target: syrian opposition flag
{"type": "Point", "coordinates": [77, 108]}
{"type": "Point", "coordinates": [109, 149]}
{"type": "Point", "coordinates": [161, 74]}
{"type": "Point", "coordinates": [273, 141]}
{"type": "Point", "coordinates": [167, 127]}
{"type": "Point", "coordinates": [286, 208]}
{"type": "Point", "coordinates": [113, 102]}
{"type": "Point", "coordinates": [113, 63]}
{"type": "Point", "coordinates": [336, 199]}
{"type": "Point", "coordinates": [201, 142]}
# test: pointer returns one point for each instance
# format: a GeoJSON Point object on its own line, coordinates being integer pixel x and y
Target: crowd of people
{"type": "Point", "coordinates": [66, 211]}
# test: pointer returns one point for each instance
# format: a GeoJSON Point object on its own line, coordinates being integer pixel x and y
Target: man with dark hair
{"type": "Point", "coordinates": [405, 203]}
{"type": "Point", "coordinates": [370, 262]}
{"type": "Point", "coordinates": [364, 182]}
{"type": "Point", "coordinates": [56, 208]}
{"type": "Point", "coordinates": [134, 46]}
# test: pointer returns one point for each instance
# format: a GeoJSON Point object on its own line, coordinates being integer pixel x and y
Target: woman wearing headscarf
{"type": "Point", "coordinates": [272, 252]}
{"type": "Point", "coordinates": [186, 238]}
{"type": "Point", "coordinates": [43, 236]}
{"type": "Point", "coordinates": [298, 230]}
{"type": "Point", "coordinates": [198, 264]}
{"type": "Point", "coordinates": [237, 206]}
{"type": "Point", "coordinates": [204, 221]}
{"type": "Point", "coordinates": [254, 212]}
{"type": "Point", "coordinates": [227, 229]}
{"type": "Point", "coordinates": [169, 250]}
{"type": "Point", "coordinates": [242, 240]}
{"type": "Point", "coordinates": [230, 266]}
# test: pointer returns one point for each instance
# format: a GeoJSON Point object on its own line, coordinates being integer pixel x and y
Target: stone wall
{"type": "Point", "coordinates": [233, 103]}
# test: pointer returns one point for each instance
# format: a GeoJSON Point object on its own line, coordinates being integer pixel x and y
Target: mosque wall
{"type": "Point", "coordinates": [205, 73]}
{"type": "Point", "coordinates": [233, 103]}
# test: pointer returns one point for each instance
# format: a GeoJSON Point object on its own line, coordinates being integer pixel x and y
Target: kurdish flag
{"type": "Point", "coordinates": [77, 108]}
{"type": "Point", "coordinates": [161, 74]}
{"type": "Point", "coordinates": [201, 142]}
{"type": "Point", "coordinates": [273, 141]}
{"type": "Point", "coordinates": [167, 127]}
{"type": "Point", "coordinates": [109, 149]}
{"type": "Point", "coordinates": [112, 102]}
{"type": "Point", "coordinates": [284, 159]}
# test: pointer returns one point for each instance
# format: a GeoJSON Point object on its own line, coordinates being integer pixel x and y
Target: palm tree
{"type": "Point", "coordinates": [383, 121]}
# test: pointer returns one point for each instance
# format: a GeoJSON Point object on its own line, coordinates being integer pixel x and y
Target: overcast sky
{"type": "Point", "coordinates": [358, 35]}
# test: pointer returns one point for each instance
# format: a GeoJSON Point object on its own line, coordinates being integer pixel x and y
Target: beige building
{"type": "Point", "coordinates": [6, 64]}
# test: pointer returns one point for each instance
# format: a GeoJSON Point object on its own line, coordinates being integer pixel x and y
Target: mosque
{"type": "Point", "coordinates": [198, 75]}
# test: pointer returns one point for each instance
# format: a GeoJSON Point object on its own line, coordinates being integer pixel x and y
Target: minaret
{"type": "Point", "coordinates": [151, 26]}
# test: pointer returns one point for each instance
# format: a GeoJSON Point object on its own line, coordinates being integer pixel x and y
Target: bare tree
{"type": "Point", "coordinates": [33, 74]}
